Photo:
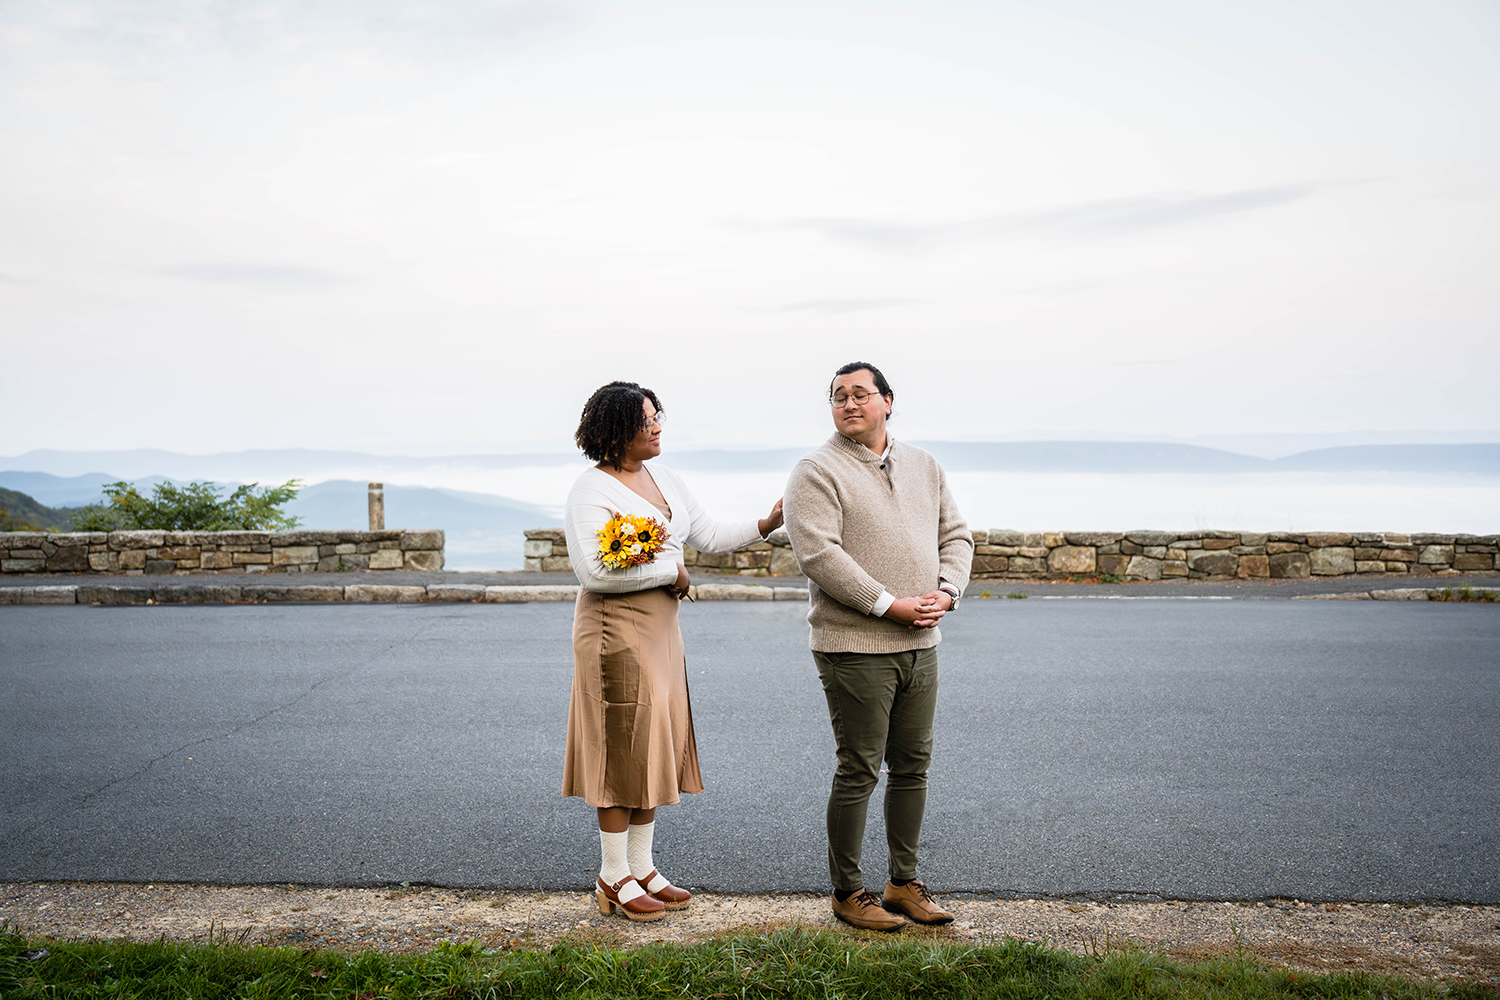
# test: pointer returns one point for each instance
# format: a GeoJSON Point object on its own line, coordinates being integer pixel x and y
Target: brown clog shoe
{"type": "Point", "coordinates": [668, 895]}
{"type": "Point", "coordinates": [642, 907]}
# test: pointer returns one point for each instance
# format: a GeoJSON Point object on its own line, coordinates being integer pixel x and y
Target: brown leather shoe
{"type": "Point", "coordinates": [863, 909]}
{"type": "Point", "coordinates": [669, 895]}
{"type": "Point", "coordinates": [642, 907]}
{"type": "Point", "coordinates": [916, 902]}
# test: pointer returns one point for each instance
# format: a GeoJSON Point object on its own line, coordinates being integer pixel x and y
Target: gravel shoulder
{"type": "Point", "coordinates": [1426, 942]}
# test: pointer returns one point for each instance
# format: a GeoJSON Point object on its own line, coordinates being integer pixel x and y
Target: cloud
{"type": "Point", "coordinates": [284, 276]}
{"type": "Point", "coordinates": [1113, 217]}
{"type": "Point", "coordinates": [838, 307]}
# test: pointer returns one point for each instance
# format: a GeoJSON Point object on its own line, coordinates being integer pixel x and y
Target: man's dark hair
{"type": "Point", "coordinates": [614, 414]}
{"type": "Point", "coordinates": [881, 385]}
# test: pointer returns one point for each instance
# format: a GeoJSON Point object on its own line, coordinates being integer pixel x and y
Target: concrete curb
{"type": "Point", "coordinates": [217, 593]}
{"type": "Point", "coordinates": [1395, 594]}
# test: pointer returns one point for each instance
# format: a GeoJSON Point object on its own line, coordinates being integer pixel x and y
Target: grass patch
{"type": "Point", "coordinates": [1016, 595]}
{"type": "Point", "coordinates": [1466, 593]}
{"type": "Point", "coordinates": [780, 962]}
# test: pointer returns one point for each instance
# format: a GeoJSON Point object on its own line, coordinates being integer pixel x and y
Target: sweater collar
{"type": "Point", "coordinates": [859, 451]}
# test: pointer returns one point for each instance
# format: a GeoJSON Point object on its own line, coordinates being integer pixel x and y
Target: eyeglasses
{"type": "Point", "coordinates": [860, 398]}
{"type": "Point", "coordinates": [655, 418]}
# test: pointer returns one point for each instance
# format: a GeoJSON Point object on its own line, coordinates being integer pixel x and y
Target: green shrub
{"type": "Point", "coordinates": [194, 507]}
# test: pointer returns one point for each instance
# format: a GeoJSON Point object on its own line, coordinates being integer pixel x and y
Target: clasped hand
{"type": "Point", "coordinates": [922, 611]}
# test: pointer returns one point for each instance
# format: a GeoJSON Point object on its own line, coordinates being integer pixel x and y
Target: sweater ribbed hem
{"type": "Point", "coordinates": [827, 640]}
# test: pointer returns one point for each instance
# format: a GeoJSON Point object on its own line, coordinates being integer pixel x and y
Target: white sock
{"type": "Point", "coordinates": [638, 850]}
{"type": "Point", "coordinates": [613, 866]}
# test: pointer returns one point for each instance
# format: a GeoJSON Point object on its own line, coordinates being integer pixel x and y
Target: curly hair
{"type": "Point", "coordinates": [613, 416]}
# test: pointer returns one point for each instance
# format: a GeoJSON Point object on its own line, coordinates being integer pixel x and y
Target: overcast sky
{"type": "Point", "coordinates": [403, 227]}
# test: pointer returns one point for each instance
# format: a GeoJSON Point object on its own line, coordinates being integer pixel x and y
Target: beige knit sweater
{"type": "Point", "coordinates": [858, 529]}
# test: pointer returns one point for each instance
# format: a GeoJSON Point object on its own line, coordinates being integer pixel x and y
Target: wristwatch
{"type": "Point", "coordinates": [953, 594]}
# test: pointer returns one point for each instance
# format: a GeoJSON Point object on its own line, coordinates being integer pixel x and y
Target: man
{"type": "Point", "coordinates": [886, 554]}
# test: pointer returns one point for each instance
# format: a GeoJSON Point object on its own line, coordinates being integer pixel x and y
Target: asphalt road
{"type": "Point", "coordinates": [1180, 749]}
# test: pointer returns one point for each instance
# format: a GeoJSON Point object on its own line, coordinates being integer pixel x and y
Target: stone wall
{"type": "Point", "coordinates": [1001, 554]}
{"type": "Point", "coordinates": [133, 553]}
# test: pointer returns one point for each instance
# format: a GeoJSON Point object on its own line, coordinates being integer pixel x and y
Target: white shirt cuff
{"type": "Point", "coordinates": [882, 604]}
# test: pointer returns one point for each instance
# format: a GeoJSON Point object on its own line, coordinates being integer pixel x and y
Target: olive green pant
{"type": "Point", "coordinates": [881, 706]}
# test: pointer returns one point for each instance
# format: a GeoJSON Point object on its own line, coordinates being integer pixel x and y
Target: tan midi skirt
{"type": "Point", "coordinates": [630, 724]}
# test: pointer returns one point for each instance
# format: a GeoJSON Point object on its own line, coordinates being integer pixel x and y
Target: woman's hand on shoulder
{"type": "Point", "coordinates": [773, 520]}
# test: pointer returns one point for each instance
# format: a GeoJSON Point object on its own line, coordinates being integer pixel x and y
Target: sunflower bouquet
{"type": "Point", "coordinates": [630, 540]}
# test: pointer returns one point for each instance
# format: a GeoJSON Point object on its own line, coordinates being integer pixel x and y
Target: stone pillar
{"type": "Point", "coordinates": [377, 506]}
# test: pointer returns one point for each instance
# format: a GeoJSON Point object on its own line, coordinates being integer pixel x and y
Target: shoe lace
{"type": "Point", "coordinates": [864, 898]}
{"type": "Point", "coordinates": [921, 888]}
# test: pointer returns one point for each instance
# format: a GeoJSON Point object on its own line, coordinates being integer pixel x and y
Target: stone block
{"type": "Point", "coordinates": [1071, 559]}
{"type": "Point", "coordinates": [120, 540]}
{"type": "Point", "coordinates": [1417, 569]}
{"type": "Point", "coordinates": [1113, 564]}
{"type": "Point", "coordinates": [22, 539]}
{"type": "Point", "coordinates": [733, 592]}
{"type": "Point", "coordinates": [1005, 536]}
{"type": "Point", "coordinates": [455, 592]}
{"type": "Point", "coordinates": [69, 559]}
{"type": "Point", "coordinates": [194, 593]}
{"type": "Point", "coordinates": [53, 594]}
{"type": "Point", "coordinates": [1027, 564]}
{"type": "Point", "coordinates": [1052, 540]}
{"type": "Point", "coordinates": [1436, 555]}
{"type": "Point", "coordinates": [1396, 539]}
{"type": "Point", "coordinates": [784, 562]}
{"type": "Point", "coordinates": [278, 593]}
{"type": "Point", "coordinates": [524, 595]}
{"type": "Point", "coordinates": [114, 594]}
{"type": "Point", "coordinates": [536, 548]}
{"type": "Point", "coordinates": [1155, 551]}
{"type": "Point", "coordinates": [1254, 567]}
{"type": "Point", "coordinates": [1249, 550]}
{"type": "Point", "coordinates": [23, 565]}
{"type": "Point", "coordinates": [1331, 561]}
{"type": "Point", "coordinates": [1401, 594]}
{"type": "Point", "coordinates": [1276, 548]}
{"type": "Point", "coordinates": [383, 592]}
{"type": "Point", "coordinates": [1034, 540]}
{"type": "Point", "coordinates": [1176, 555]}
{"type": "Point", "coordinates": [557, 564]}
{"type": "Point", "coordinates": [1151, 537]}
{"type": "Point", "coordinates": [328, 564]}
{"type": "Point", "coordinates": [424, 561]}
{"type": "Point", "coordinates": [1395, 567]}
{"type": "Point", "coordinates": [1130, 548]}
{"type": "Point", "coordinates": [422, 541]}
{"type": "Point", "coordinates": [1289, 565]}
{"type": "Point", "coordinates": [1369, 566]}
{"type": "Point", "coordinates": [294, 555]}
{"type": "Point", "coordinates": [1212, 562]}
{"type": "Point", "coordinates": [1032, 552]}
{"type": "Point", "coordinates": [160, 567]}
{"type": "Point", "coordinates": [216, 560]}
{"type": "Point", "coordinates": [388, 544]}
{"type": "Point", "coordinates": [179, 552]}
{"type": "Point", "coordinates": [1112, 549]}
{"type": "Point", "coordinates": [1286, 537]}
{"type": "Point", "coordinates": [1253, 538]}
{"type": "Point", "coordinates": [548, 534]}
{"type": "Point", "coordinates": [1365, 552]}
{"type": "Point", "coordinates": [365, 548]}
{"type": "Point", "coordinates": [99, 562]}
{"type": "Point", "coordinates": [1174, 567]}
{"type": "Point", "coordinates": [29, 554]}
{"type": "Point", "coordinates": [1329, 539]}
{"type": "Point", "coordinates": [345, 549]}
{"type": "Point", "coordinates": [386, 559]}
{"type": "Point", "coordinates": [989, 564]}
{"type": "Point", "coordinates": [240, 558]}
{"type": "Point", "coordinates": [1429, 539]}
{"type": "Point", "coordinates": [1400, 555]}
{"type": "Point", "coordinates": [532, 566]}
{"type": "Point", "coordinates": [1144, 568]}
{"type": "Point", "coordinates": [1463, 561]}
{"type": "Point", "coordinates": [1220, 543]}
{"type": "Point", "coordinates": [979, 537]}
{"type": "Point", "coordinates": [1092, 538]}
{"type": "Point", "coordinates": [132, 559]}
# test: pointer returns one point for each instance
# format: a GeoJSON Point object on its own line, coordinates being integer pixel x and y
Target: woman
{"type": "Point", "coordinates": [630, 726]}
